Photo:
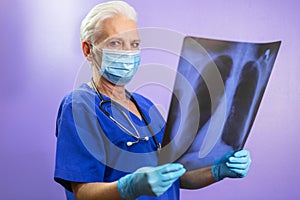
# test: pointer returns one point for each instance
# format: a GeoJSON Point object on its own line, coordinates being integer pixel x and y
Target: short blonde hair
{"type": "Point", "coordinates": [91, 25]}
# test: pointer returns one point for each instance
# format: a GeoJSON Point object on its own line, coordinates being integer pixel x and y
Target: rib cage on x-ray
{"type": "Point", "coordinates": [225, 82]}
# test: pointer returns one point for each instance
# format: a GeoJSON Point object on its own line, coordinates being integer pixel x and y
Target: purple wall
{"type": "Point", "coordinates": [41, 55]}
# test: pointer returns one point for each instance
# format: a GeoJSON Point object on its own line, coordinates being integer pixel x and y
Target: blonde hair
{"type": "Point", "coordinates": [91, 25]}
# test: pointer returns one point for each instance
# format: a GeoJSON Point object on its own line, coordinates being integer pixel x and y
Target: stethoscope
{"type": "Point", "coordinates": [136, 136]}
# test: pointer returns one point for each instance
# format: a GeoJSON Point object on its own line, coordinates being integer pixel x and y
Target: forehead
{"type": "Point", "coordinates": [120, 26]}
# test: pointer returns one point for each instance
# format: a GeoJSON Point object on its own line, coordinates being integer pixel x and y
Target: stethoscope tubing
{"type": "Point", "coordinates": [117, 105]}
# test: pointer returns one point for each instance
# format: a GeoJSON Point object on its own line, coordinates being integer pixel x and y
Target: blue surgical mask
{"type": "Point", "coordinates": [119, 66]}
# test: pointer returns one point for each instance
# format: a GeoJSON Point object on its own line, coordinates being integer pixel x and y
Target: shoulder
{"type": "Point", "coordinates": [80, 100]}
{"type": "Point", "coordinates": [81, 97]}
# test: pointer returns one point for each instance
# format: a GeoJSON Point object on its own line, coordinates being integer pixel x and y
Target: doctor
{"type": "Point", "coordinates": [87, 164]}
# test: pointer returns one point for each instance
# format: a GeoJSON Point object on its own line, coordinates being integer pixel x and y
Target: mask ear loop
{"type": "Point", "coordinates": [92, 54]}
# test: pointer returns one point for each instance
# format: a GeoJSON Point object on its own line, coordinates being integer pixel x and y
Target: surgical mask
{"type": "Point", "coordinates": [119, 66]}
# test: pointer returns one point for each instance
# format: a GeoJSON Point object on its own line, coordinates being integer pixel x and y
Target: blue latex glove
{"type": "Point", "coordinates": [232, 165]}
{"type": "Point", "coordinates": [150, 181]}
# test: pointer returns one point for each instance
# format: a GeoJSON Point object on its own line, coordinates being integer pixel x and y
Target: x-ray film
{"type": "Point", "coordinates": [218, 88]}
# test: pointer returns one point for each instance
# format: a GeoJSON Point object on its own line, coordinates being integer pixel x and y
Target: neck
{"type": "Point", "coordinates": [115, 92]}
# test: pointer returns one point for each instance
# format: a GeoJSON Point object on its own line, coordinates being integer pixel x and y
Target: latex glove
{"type": "Point", "coordinates": [151, 181]}
{"type": "Point", "coordinates": [232, 165]}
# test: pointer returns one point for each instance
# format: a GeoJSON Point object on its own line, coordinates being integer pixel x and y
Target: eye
{"type": "Point", "coordinates": [135, 44]}
{"type": "Point", "coordinates": [115, 43]}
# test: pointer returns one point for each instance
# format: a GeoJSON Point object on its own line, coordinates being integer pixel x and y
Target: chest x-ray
{"type": "Point", "coordinates": [218, 88]}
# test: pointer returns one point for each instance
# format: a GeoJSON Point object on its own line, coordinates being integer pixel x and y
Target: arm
{"type": "Point", "coordinates": [98, 190]}
{"type": "Point", "coordinates": [196, 179]}
{"type": "Point", "coordinates": [232, 165]}
{"type": "Point", "coordinates": [150, 181]}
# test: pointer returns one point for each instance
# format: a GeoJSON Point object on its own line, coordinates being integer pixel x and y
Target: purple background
{"type": "Point", "coordinates": [40, 57]}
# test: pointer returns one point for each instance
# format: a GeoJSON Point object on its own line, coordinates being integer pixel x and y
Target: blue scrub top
{"type": "Point", "coordinates": [92, 148]}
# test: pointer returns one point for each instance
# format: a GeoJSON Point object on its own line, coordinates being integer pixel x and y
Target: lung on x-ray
{"type": "Point", "coordinates": [218, 88]}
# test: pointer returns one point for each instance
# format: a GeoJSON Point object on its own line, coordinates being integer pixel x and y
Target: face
{"type": "Point", "coordinates": [119, 33]}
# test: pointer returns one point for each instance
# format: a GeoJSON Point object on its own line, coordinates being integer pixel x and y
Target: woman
{"type": "Point", "coordinates": [107, 138]}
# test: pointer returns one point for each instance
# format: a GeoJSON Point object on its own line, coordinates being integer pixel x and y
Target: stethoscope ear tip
{"type": "Point", "coordinates": [137, 140]}
{"type": "Point", "coordinates": [129, 144]}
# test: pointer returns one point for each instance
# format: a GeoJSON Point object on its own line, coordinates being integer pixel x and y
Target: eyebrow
{"type": "Point", "coordinates": [113, 38]}
{"type": "Point", "coordinates": [118, 38]}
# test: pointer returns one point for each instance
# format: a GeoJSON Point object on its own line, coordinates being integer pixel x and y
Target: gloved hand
{"type": "Point", "coordinates": [151, 181]}
{"type": "Point", "coordinates": [232, 165]}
